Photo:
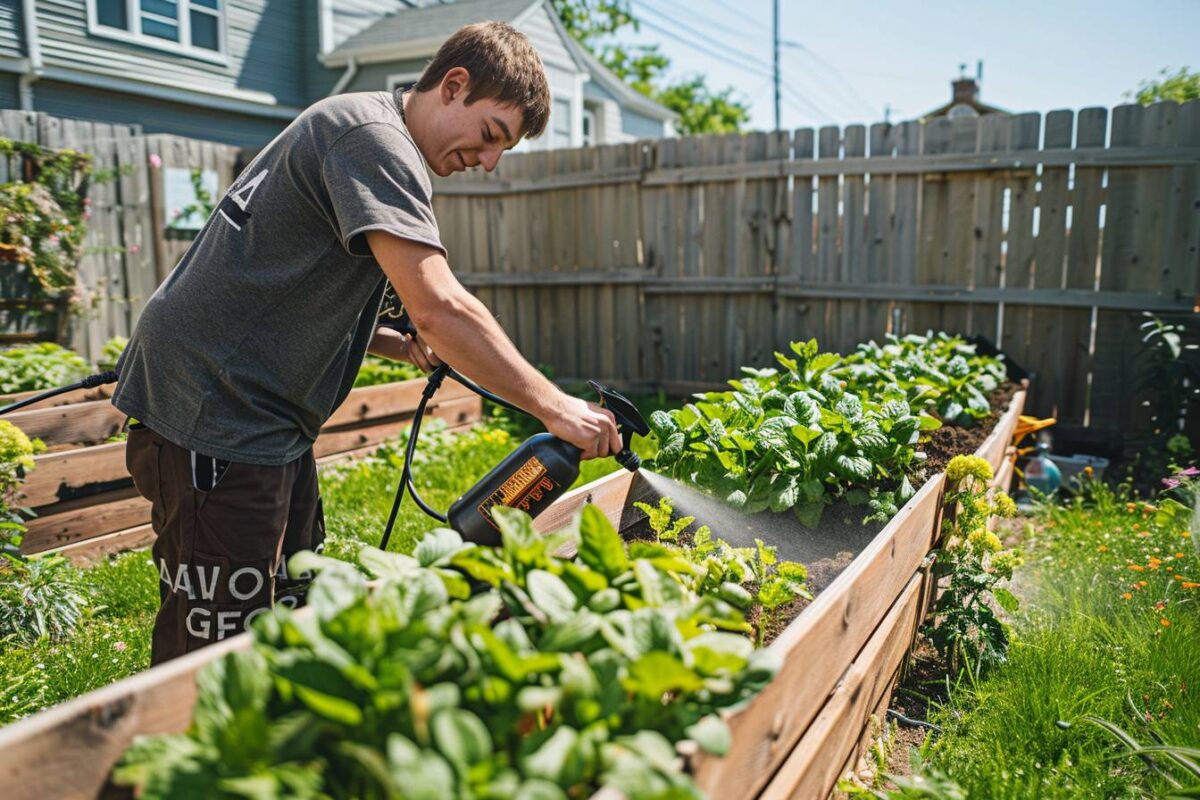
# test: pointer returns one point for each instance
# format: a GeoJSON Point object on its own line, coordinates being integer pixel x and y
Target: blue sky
{"type": "Point", "coordinates": [856, 56]}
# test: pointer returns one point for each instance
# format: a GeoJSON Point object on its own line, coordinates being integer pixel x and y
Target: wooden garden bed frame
{"type": "Point", "coordinates": [84, 498]}
{"type": "Point", "coordinates": [840, 659]}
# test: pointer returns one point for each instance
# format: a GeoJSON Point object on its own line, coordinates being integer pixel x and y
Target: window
{"type": "Point", "coordinates": [560, 123]}
{"type": "Point", "coordinates": [589, 127]}
{"type": "Point", "coordinates": [404, 80]}
{"type": "Point", "coordinates": [194, 27]}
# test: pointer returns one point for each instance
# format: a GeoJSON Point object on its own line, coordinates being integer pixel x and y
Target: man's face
{"type": "Point", "coordinates": [462, 135]}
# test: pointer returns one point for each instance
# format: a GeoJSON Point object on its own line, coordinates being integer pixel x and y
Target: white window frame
{"type": "Point", "coordinates": [588, 119]}
{"type": "Point", "coordinates": [133, 11]}
{"type": "Point", "coordinates": [398, 78]}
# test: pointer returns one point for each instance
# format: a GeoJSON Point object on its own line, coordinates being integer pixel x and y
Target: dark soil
{"type": "Point", "coordinates": [949, 441]}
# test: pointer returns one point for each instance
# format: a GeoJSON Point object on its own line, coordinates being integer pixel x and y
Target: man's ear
{"type": "Point", "coordinates": [456, 83]}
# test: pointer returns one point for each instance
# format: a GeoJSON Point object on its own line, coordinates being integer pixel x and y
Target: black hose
{"type": "Point", "coordinates": [90, 382]}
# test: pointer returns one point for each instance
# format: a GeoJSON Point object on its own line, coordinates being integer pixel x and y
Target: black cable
{"type": "Point", "coordinates": [912, 723]}
{"type": "Point", "coordinates": [90, 382]}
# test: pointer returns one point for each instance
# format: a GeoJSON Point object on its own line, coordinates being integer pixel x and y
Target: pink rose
{"type": "Point", "coordinates": [155, 160]}
{"type": "Point", "coordinates": [134, 248]}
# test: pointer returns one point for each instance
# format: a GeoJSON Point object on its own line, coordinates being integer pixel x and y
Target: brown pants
{"type": "Point", "coordinates": [223, 538]}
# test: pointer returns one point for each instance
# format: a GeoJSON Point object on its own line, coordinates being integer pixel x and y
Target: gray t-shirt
{"type": "Point", "coordinates": [255, 338]}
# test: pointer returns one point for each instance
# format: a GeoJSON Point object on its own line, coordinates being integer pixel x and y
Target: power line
{"type": "Point", "coordinates": [836, 72]}
{"type": "Point", "coordinates": [723, 58]}
{"type": "Point", "coordinates": [710, 41]}
{"type": "Point", "coordinates": [724, 27]}
{"type": "Point", "coordinates": [797, 97]}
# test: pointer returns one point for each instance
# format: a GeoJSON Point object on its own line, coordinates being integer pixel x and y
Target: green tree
{"type": "Point", "coordinates": [1179, 86]}
{"type": "Point", "coordinates": [700, 109]}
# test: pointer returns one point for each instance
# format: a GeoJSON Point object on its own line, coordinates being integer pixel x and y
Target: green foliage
{"type": "Point", "coordinates": [700, 108]}
{"type": "Point", "coordinates": [40, 598]}
{"type": "Point", "coordinates": [1180, 86]}
{"type": "Point", "coordinates": [16, 459]}
{"type": "Point", "coordinates": [110, 354]}
{"type": "Point", "coordinates": [563, 676]}
{"type": "Point", "coordinates": [45, 365]}
{"type": "Point", "coordinates": [750, 578]}
{"type": "Point", "coordinates": [970, 565]}
{"type": "Point", "coordinates": [1107, 631]}
{"type": "Point", "coordinates": [42, 222]}
{"type": "Point", "coordinates": [824, 427]}
{"type": "Point", "coordinates": [376, 370]}
{"type": "Point", "coordinates": [1168, 378]}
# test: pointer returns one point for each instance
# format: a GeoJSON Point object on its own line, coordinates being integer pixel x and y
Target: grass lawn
{"type": "Point", "coordinates": [1109, 627]}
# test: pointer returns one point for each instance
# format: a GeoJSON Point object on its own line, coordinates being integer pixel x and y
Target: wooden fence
{"type": "Point", "coordinates": [673, 263]}
{"type": "Point", "coordinates": [129, 248]}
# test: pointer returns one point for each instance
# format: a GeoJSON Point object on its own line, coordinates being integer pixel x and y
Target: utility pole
{"type": "Point", "coordinates": [778, 119]}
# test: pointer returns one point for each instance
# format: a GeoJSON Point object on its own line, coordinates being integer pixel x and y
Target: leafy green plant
{"type": "Point", "coordinates": [1169, 378]}
{"type": "Point", "coordinates": [44, 365]}
{"type": "Point", "coordinates": [971, 564]}
{"type": "Point", "coordinates": [110, 354]}
{"type": "Point", "coordinates": [376, 370]}
{"type": "Point", "coordinates": [39, 598]}
{"type": "Point", "coordinates": [562, 676]}
{"type": "Point", "coordinates": [42, 222]}
{"type": "Point", "coordinates": [801, 437]}
{"type": "Point", "coordinates": [751, 578]}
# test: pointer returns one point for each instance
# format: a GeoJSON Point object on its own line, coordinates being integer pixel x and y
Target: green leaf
{"type": "Point", "coordinates": [556, 759]}
{"type": "Point", "coordinates": [712, 734]}
{"type": "Point", "coordinates": [335, 709]}
{"type": "Point", "coordinates": [600, 546]}
{"type": "Point", "coordinates": [570, 634]}
{"type": "Point", "coordinates": [380, 564]}
{"type": "Point", "coordinates": [551, 595]}
{"type": "Point", "coordinates": [716, 653]}
{"type": "Point", "coordinates": [538, 789]}
{"type": "Point", "coordinates": [461, 737]}
{"type": "Point", "coordinates": [438, 547]}
{"type": "Point", "coordinates": [656, 673]}
{"type": "Point", "coordinates": [806, 434]}
{"type": "Point", "coordinates": [418, 774]}
{"type": "Point", "coordinates": [1007, 600]}
{"type": "Point", "coordinates": [809, 514]}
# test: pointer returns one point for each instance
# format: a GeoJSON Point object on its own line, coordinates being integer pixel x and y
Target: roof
{"type": "Point", "coordinates": [619, 89]}
{"type": "Point", "coordinates": [420, 26]}
{"type": "Point", "coordinates": [419, 32]}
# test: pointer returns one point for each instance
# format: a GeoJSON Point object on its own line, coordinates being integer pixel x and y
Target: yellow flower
{"type": "Point", "coordinates": [1005, 506]}
{"type": "Point", "coordinates": [15, 446]}
{"type": "Point", "coordinates": [962, 466]}
{"type": "Point", "coordinates": [1137, 568]}
{"type": "Point", "coordinates": [1164, 622]}
{"type": "Point", "coordinates": [1191, 585]}
{"type": "Point", "coordinates": [992, 542]}
{"type": "Point", "coordinates": [1127, 596]}
{"type": "Point", "coordinates": [1102, 548]}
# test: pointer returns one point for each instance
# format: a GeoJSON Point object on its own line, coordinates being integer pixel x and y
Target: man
{"type": "Point", "coordinates": [255, 338]}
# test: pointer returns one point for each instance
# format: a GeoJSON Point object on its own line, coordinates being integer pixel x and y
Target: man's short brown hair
{"type": "Point", "coordinates": [504, 67]}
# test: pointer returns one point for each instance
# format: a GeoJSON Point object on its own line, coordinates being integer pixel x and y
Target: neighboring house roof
{"type": "Point", "coordinates": [622, 91]}
{"type": "Point", "coordinates": [416, 32]}
{"type": "Point", "coordinates": [421, 31]}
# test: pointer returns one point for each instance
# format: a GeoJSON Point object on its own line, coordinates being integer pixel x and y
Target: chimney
{"type": "Point", "coordinates": [966, 90]}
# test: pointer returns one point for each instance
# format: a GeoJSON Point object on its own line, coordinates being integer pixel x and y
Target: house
{"type": "Point", "coordinates": [237, 71]}
{"type": "Point", "coordinates": [964, 98]}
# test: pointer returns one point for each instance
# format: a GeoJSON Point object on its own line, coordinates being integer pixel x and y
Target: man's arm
{"type": "Point", "coordinates": [391, 343]}
{"type": "Point", "coordinates": [456, 326]}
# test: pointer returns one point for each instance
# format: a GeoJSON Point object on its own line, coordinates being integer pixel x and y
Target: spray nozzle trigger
{"type": "Point", "coordinates": [629, 422]}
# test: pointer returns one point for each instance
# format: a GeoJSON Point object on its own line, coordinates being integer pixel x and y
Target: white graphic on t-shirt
{"type": "Point", "coordinates": [240, 198]}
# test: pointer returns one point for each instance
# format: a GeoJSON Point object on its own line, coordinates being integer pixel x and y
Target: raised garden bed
{"type": "Point", "coordinates": [86, 505]}
{"type": "Point", "coordinates": [840, 657]}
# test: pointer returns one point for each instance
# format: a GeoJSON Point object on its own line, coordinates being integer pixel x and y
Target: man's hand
{"type": "Point", "coordinates": [398, 346]}
{"type": "Point", "coordinates": [587, 426]}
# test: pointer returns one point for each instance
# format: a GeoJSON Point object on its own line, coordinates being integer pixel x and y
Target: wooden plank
{"type": "Point", "coordinates": [1017, 334]}
{"type": "Point", "coordinates": [95, 549]}
{"type": "Point", "coordinates": [995, 447]}
{"type": "Point", "coordinates": [880, 236]}
{"type": "Point", "coordinates": [828, 235]}
{"type": "Point", "coordinates": [813, 767]}
{"type": "Point", "coordinates": [68, 523]}
{"type": "Point", "coordinates": [66, 398]}
{"type": "Point", "coordinates": [837, 625]}
{"type": "Point", "coordinates": [905, 226]}
{"type": "Point", "coordinates": [796, 321]}
{"type": "Point", "coordinates": [958, 232]}
{"type": "Point", "coordinates": [934, 216]}
{"type": "Point", "coordinates": [368, 403]}
{"type": "Point", "coordinates": [987, 268]}
{"type": "Point", "coordinates": [453, 412]}
{"type": "Point", "coordinates": [80, 423]}
{"type": "Point", "coordinates": [853, 321]}
{"type": "Point", "coordinates": [75, 473]}
{"type": "Point", "coordinates": [1181, 251]}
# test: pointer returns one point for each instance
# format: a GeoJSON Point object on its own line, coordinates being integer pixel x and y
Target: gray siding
{"type": "Point", "coordinates": [12, 30]}
{"type": "Point", "coordinates": [354, 16]}
{"type": "Point", "coordinates": [155, 116]}
{"type": "Point", "coordinates": [10, 95]}
{"type": "Point", "coordinates": [545, 37]}
{"type": "Point", "coordinates": [639, 126]}
{"type": "Point", "coordinates": [373, 77]}
{"type": "Point", "coordinates": [262, 38]}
